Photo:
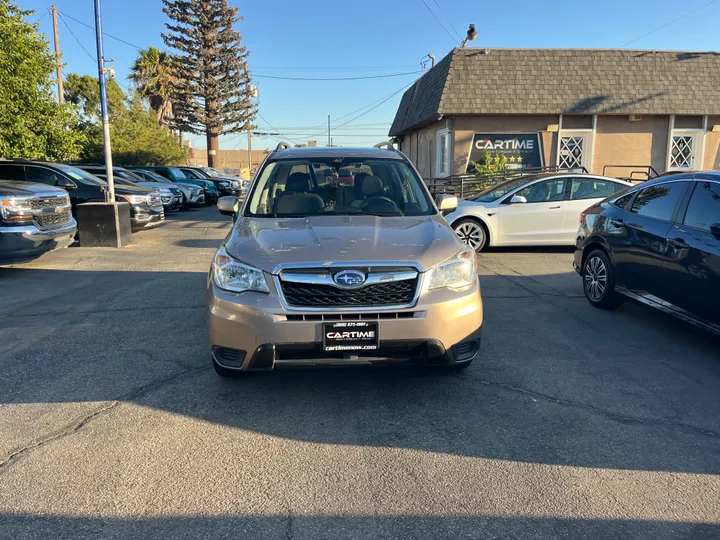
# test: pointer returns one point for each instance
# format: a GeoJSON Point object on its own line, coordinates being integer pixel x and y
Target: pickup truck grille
{"type": "Point", "coordinates": [397, 293]}
{"type": "Point", "coordinates": [43, 202]}
{"type": "Point", "coordinates": [49, 221]}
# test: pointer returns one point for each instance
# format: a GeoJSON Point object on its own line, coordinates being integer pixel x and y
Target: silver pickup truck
{"type": "Point", "coordinates": [34, 219]}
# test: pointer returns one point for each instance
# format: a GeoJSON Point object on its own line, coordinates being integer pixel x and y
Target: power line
{"type": "Point", "coordinates": [438, 20]}
{"type": "Point", "coordinates": [448, 20]}
{"type": "Point", "coordinates": [671, 22]}
{"type": "Point", "coordinates": [41, 17]}
{"type": "Point", "coordinates": [331, 68]}
{"type": "Point", "coordinates": [335, 78]}
{"type": "Point", "coordinates": [104, 33]}
{"type": "Point", "coordinates": [76, 38]}
{"type": "Point", "coordinates": [271, 127]}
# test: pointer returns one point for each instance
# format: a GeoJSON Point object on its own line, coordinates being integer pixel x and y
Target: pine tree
{"type": "Point", "coordinates": [211, 91]}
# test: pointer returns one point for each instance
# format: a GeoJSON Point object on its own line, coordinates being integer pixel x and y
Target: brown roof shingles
{"type": "Point", "coordinates": [563, 81]}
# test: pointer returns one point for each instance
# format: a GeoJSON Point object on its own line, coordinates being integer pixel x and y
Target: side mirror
{"type": "Point", "coordinates": [227, 206]}
{"type": "Point", "coordinates": [65, 183]}
{"type": "Point", "coordinates": [446, 203]}
{"type": "Point", "coordinates": [715, 230]}
{"type": "Point", "coordinates": [518, 199]}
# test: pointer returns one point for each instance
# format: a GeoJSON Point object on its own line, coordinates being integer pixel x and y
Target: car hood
{"type": "Point", "coordinates": [132, 190]}
{"type": "Point", "coordinates": [268, 242]}
{"type": "Point", "coordinates": [19, 188]}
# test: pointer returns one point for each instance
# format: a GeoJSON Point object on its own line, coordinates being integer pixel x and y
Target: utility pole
{"type": "Point", "coordinates": [329, 141]}
{"type": "Point", "coordinates": [105, 119]}
{"type": "Point", "coordinates": [58, 64]}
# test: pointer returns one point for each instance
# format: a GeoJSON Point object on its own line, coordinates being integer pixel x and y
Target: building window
{"type": "Point", "coordinates": [442, 165]}
{"type": "Point", "coordinates": [681, 152]}
{"type": "Point", "coordinates": [571, 152]}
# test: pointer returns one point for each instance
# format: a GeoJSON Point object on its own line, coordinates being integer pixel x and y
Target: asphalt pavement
{"type": "Point", "coordinates": [575, 423]}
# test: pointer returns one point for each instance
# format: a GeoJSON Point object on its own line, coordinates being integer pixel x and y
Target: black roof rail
{"type": "Point", "coordinates": [282, 146]}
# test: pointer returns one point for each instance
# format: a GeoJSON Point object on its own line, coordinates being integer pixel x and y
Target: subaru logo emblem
{"type": "Point", "coordinates": [350, 279]}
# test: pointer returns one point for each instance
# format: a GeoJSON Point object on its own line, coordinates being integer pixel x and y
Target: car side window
{"type": "Point", "coordinates": [623, 201]}
{"type": "Point", "coordinates": [11, 172]}
{"type": "Point", "coordinates": [593, 188]}
{"type": "Point", "coordinates": [549, 190]}
{"type": "Point", "coordinates": [41, 175]}
{"type": "Point", "coordinates": [704, 207]}
{"type": "Point", "coordinates": [659, 201]}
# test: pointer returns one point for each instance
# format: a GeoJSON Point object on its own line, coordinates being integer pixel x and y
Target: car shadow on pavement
{"type": "Point", "coordinates": [557, 382]}
{"type": "Point", "coordinates": [347, 527]}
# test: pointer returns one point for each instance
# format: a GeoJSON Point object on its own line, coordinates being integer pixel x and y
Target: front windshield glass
{"type": "Point", "coordinates": [338, 186]}
{"type": "Point", "coordinates": [500, 190]}
{"type": "Point", "coordinates": [178, 173]}
{"type": "Point", "coordinates": [212, 172]}
{"type": "Point", "coordinates": [150, 176]}
{"type": "Point", "coordinates": [82, 176]}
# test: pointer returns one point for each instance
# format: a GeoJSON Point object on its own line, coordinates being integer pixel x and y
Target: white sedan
{"type": "Point", "coordinates": [538, 210]}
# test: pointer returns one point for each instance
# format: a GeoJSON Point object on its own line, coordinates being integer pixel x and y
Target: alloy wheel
{"type": "Point", "coordinates": [471, 234]}
{"type": "Point", "coordinates": [596, 278]}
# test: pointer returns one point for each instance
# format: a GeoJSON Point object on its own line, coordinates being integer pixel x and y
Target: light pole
{"type": "Point", "coordinates": [105, 120]}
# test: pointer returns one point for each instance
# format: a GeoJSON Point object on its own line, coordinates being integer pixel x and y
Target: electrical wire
{"type": "Point", "coordinates": [335, 78]}
{"type": "Point", "coordinates": [438, 21]}
{"type": "Point", "coordinates": [671, 22]}
{"type": "Point", "coordinates": [76, 38]}
{"type": "Point", "coordinates": [41, 17]}
{"type": "Point", "coordinates": [104, 33]}
{"type": "Point", "coordinates": [277, 130]}
{"type": "Point", "coordinates": [448, 20]}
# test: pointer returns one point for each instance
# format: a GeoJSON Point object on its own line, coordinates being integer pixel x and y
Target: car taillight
{"type": "Point", "coordinates": [582, 217]}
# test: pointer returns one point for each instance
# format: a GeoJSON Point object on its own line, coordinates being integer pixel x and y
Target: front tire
{"type": "Point", "coordinates": [471, 233]}
{"type": "Point", "coordinates": [599, 281]}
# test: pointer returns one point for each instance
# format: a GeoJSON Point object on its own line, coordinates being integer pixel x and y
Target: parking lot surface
{"type": "Point", "coordinates": [575, 423]}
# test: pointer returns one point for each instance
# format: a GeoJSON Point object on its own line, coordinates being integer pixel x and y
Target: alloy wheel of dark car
{"type": "Point", "coordinates": [599, 281]}
{"type": "Point", "coordinates": [471, 233]}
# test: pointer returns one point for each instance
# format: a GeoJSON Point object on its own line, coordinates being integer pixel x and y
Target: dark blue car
{"type": "Point", "coordinates": [657, 243]}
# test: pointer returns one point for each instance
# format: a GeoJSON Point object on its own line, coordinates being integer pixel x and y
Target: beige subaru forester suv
{"type": "Point", "coordinates": [339, 257]}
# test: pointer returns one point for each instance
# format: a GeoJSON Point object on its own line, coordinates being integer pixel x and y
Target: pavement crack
{"type": "Point", "coordinates": [86, 419]}
{"type": "Point", "coordinates": [602, 412]}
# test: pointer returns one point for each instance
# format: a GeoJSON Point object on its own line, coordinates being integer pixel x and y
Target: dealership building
{"type": "Point", "coordinates": [572, 108]}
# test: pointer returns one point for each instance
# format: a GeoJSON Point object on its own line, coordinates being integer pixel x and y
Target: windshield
{"type": "Point", "coordinates": [82, 176]}
{"type": "Point", "coordinates": [338, 186]}
{"type": "Point", "coordinates": [178, 173]}
{"type": "Point", "coordinates": [500, 190]}
{"type": "Point", "coordinates": [193, 174]}
{"type": "Point", "coordinates": [212, 172]}
{"type": "Point", "coordinates": [150, 176]}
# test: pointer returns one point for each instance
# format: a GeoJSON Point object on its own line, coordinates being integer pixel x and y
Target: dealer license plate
{"type": "Point", "coordinates": [350, 336]}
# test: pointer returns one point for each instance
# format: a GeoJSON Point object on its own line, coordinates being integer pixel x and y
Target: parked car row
{"type": "Point", "coordinates": [657, 242]}
{"type": "Point", "coordinates": [29, 227]}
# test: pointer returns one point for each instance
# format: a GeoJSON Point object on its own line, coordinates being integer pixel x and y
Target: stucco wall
{"type": "Point", "coordinates": [712, 145]}
{"type": "Point", "coordinates": [621, 142]}
{"type": "Point", "coordinates": [419, 147]}
{"type": "Point", "coordinates": [466, 126]}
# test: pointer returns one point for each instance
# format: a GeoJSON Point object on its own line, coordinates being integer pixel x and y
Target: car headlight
{"type": "Point", "coordinates": [13, 209]}
{"type": "Point", "coordinates": [234, 276]}
{"type": "Point", "coordinates": [456, 273]}
{"type": "Point", "coordinates": [136, 199]}
{"type": "Point", "coordinates": [164, 190]}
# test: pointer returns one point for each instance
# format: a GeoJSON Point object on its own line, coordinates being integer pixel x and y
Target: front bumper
{"type": "Point", "coordinates": [144, 216]}
{"type": "Point", "coordinates": [26, 243]}
{"type": "Point", "coordinates": [252, 331]}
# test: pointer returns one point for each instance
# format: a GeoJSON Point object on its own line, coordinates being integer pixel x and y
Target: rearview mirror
{"type": "Point", "coordinates": [446, 203]}
{"type": "Point", "coordinates": [65, 183]}
{"type": "Point", "coordinates": [518, 199]}
{"type": "Point", "coordinates": [227, 206]}
{"type": "Point", "coordinates": [715, 230]}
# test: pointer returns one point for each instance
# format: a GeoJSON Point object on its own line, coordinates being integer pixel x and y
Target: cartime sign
{"type": "Point", "coordinates": [521, 149]}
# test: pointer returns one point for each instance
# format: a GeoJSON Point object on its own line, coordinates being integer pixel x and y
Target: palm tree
{"type": "Point", "coordinates": [152, 73]}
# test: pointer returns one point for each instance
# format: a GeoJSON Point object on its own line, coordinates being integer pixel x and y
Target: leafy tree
{"type": "Point", "coordinates": [489, 164]}
{"type": "Point", "coordinates": [211, 91]}
{"type": "Point", "coordinates": [84, 91]}
{"type": "Point", "coordinates": [32, 124]}
{"type": "Point", "coordinates": [152, 73]}
{"type": "Point", "coordinates": [137, 138]}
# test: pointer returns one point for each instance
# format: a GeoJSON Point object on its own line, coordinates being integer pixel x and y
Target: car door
{"type": "Point", "coordinates": [583, 193]}
{"type": "Point", "coordinates": [693, 261]}
{"type": "Point", "coordinates": [638, 237]}
{"type": "Point", "coordinates": [539, 221]}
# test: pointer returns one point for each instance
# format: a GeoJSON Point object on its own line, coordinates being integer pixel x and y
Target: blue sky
{"type": "Point", "coordinates": [347, 38]}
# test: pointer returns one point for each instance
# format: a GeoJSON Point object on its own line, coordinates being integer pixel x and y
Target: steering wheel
{"type": "Point", "coordinates": [380, 204]}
